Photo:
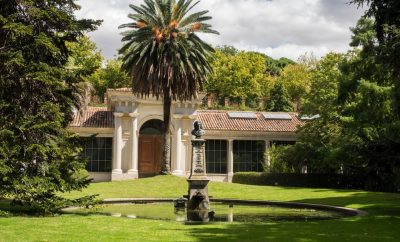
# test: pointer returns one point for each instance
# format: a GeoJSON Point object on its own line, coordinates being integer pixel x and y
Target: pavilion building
{"type": "Point", "coordinates": [124, 140]}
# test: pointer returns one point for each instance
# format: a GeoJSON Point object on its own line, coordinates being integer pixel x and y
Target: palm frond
{"type": "Point", "coordinates": [161, 50]}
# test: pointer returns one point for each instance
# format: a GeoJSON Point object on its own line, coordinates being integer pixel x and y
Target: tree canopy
{"type": "Point", "coordinates": [357, 125]}
{"type": "Point", "coordinates": [110, 76]}
{"type": "Point", "coordinates": [237, 74]}
{"type": "Point", "coordinates": [279, 100]}
{"type": "Point", "coordinates": [84, 56]}
{"type": "Point", "coordinates": [38, 156]}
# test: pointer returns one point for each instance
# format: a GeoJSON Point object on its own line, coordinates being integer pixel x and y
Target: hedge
{"type": "Point", "coordinates": [336, 181]}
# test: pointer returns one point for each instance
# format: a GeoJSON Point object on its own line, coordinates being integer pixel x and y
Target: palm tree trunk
{"type": "Point", "coordinates": [165, 168]}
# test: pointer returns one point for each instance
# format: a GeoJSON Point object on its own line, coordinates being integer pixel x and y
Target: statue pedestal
{"type": "Point", "coordinates": [198, 181]}
{"type": "Point", "coordinates": [198, 169]}
{"type": "Point", "coordinates": [198, 201]}
{"type": "Point", "coordinates": [198, 195]}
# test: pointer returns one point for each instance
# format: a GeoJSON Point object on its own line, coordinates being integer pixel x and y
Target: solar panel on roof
{"type": "Point", "coordinates": [310, 117]}
{"type": "Point", "coordinates": [244, 115]}
{"type": "Point", "coordinates": [277, 116]}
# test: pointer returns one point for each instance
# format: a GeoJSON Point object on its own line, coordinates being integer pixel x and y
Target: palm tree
{"type": "Point", "coordinates": [164, 55]}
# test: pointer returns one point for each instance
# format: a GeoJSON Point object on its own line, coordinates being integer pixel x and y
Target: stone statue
{"type": "Point", "coordinates": [198, 129]}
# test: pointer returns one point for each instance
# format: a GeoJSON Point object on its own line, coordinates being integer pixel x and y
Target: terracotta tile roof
{"type": "Point", "coordinates": [94, 117]}
{"type": "Point", "coordinates": [220, 120]}
{"type": "Point", "coordinates": [100, 117]}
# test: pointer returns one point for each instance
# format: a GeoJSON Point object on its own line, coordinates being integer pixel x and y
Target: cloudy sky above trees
{"type": "Point", "coordinates": [278, 28]}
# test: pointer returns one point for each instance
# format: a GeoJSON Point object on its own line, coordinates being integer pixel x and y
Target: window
{"type": "Point", "coordinates": [248, 155]}
{"type": "Point", "coordinates": [99, 154]}
{"type": "Point", "coordinates": [216, 156]}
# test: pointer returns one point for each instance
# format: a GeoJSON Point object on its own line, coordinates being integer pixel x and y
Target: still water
{"type": "Point", "coordinates": [219, 212]}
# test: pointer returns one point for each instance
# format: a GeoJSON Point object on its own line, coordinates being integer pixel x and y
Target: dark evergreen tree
{"type": "Point", "coordinates": [275, 67]}
{"type": "Point", "coordinates": [38, 156]}
{"type": "Point", "coordinates": [370, 119]}
{"type": "Point", "coordinates": [385, 14]}
{"type": "Point", "coordinates": [280, 100]}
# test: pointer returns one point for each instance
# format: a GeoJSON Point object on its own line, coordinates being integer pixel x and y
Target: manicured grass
{"type": "Point", "coordinates": [381, 224]}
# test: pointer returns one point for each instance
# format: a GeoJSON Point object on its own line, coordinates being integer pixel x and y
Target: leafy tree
{"type": "Point", "coordinates": [320, 138]}
{"type": "Point", "coordinates": [370, 120]}
{"type": "Point", "coordinates": [279, 160]}
{"type": "Point", "coordinates": [84, 57]}
{"type": "Point", "coordinates": [238, 75]}
{"type": "Point", "coordinates": [324, 87]}
{"type": "Point", "coordinates": [38, 156]}
{"type": "Point", "coordinates": [279, 100]}
{"type": "Point", "coordinates": [318, 144]}
{"type": "Point", "coordinates": [111, 76]}
{"type": "Point", "coordinates": [358, 126]}
{"type": "Point", "coordinates": [83, 60]}
{"type": "Point", "coordinates": [164, 55]}
{"type": "Point", "coordinates": [296, 80]}
{"type": "Point", "coordinates": [387, 29]}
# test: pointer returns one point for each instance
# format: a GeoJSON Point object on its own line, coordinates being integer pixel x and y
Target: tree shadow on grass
{"type": "Point", "coordinates": [356, 229]}
{"type": "Point", "coordinates": [382, 223]}
{"type": "Point", "coordinates": [377, 204]}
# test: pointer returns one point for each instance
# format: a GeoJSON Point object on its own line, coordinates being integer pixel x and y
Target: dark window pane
{"type": "Point", "coordinates": [108, 154]}
{"type": "Point", "coordinates": [217, 145]}
{"type": "Point", "coordinates": [224, 144]}
{"type": "Point", "coordinates": [224, 157]}
{"type": "Point", "coordinates": [109, 142]}
{"type": "Point", "coordinates": [248, 155]}
{"type": "Point", "coordinates": [223, 168]}
{"type": "Point", "coordinates": [100, 143]}
{"type": "Point", "coordinates": [102, 154]}
{"type": "Point", "coordinates": [215, 156]}
{"type": "Point", "coordinates": [98, 153]}
{"type": "Point", "coordinates": [235, 145]}
{"type": "Point", "coordinates": [211, 145]}
{"type": "Point", "coordinates": [107, 166]}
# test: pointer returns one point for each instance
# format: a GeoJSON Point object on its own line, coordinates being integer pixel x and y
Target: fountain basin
{"type": "Point", "coordinates": [222, 210]}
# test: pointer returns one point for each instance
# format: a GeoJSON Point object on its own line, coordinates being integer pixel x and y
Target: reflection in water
{"type": "Point", "coordinates": [229, 217]}
{"type": "Point", "coordinates": [180, 213]}
{"type": "Point", "coordinates": [198, 216]}
{"type": "Point", "coordinates": [220, 213]}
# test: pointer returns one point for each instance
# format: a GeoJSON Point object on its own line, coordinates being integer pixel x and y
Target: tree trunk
{"type": "Point", "coordinates": [165, 168]}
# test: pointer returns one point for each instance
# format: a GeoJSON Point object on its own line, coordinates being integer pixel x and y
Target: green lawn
{"type": "Point", "coordinates": [382, 223]}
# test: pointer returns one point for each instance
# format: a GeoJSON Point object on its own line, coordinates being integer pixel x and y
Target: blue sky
{"type": "Point", "coordinates": [278, 28]}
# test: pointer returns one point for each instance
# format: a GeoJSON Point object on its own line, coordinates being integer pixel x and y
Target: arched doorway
{"type": "Point", "coordinates": [150, 148]}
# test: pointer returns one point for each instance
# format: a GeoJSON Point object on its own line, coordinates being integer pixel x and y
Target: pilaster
{"type": "Point", "coordinates": [266, 157]}
{"type": "Point", "coordinates": [230, 160]}
{"type": "Point", "coordinates": [117, 161]}
{"type": "Point", "coordinates": [133, 163]}
{"type": "Point", "coordinates": [179, 162]}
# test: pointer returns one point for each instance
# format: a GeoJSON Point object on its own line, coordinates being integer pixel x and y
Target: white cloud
{"type": "Point", "coordinates": [279, 28]}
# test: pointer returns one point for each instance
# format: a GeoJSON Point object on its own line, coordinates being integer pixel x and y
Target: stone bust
{"type": "Point", "coordinates": [198, 129]}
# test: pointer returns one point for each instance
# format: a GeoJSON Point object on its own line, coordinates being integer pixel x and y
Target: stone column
{"type": "Point", "coordinates": [133, 164]}
{"type": "Point", "coordinates": [185, 155]}
{"type": "Point", "coordinates": [178, 148]}
{"type": "Point", "coordinates": [117, 162]}
{"type": "Point", "coordinates": [266, 157]}
{"type": "Point", "coordinates": [230, 160]}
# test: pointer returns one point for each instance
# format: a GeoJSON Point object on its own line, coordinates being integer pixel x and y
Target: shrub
{"type": "Point", "coordinates": [301, 180]}
{"type": "Point", "coordinates": [278, 162]}
{"type": "Point", "coordinates": [4, 214]}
